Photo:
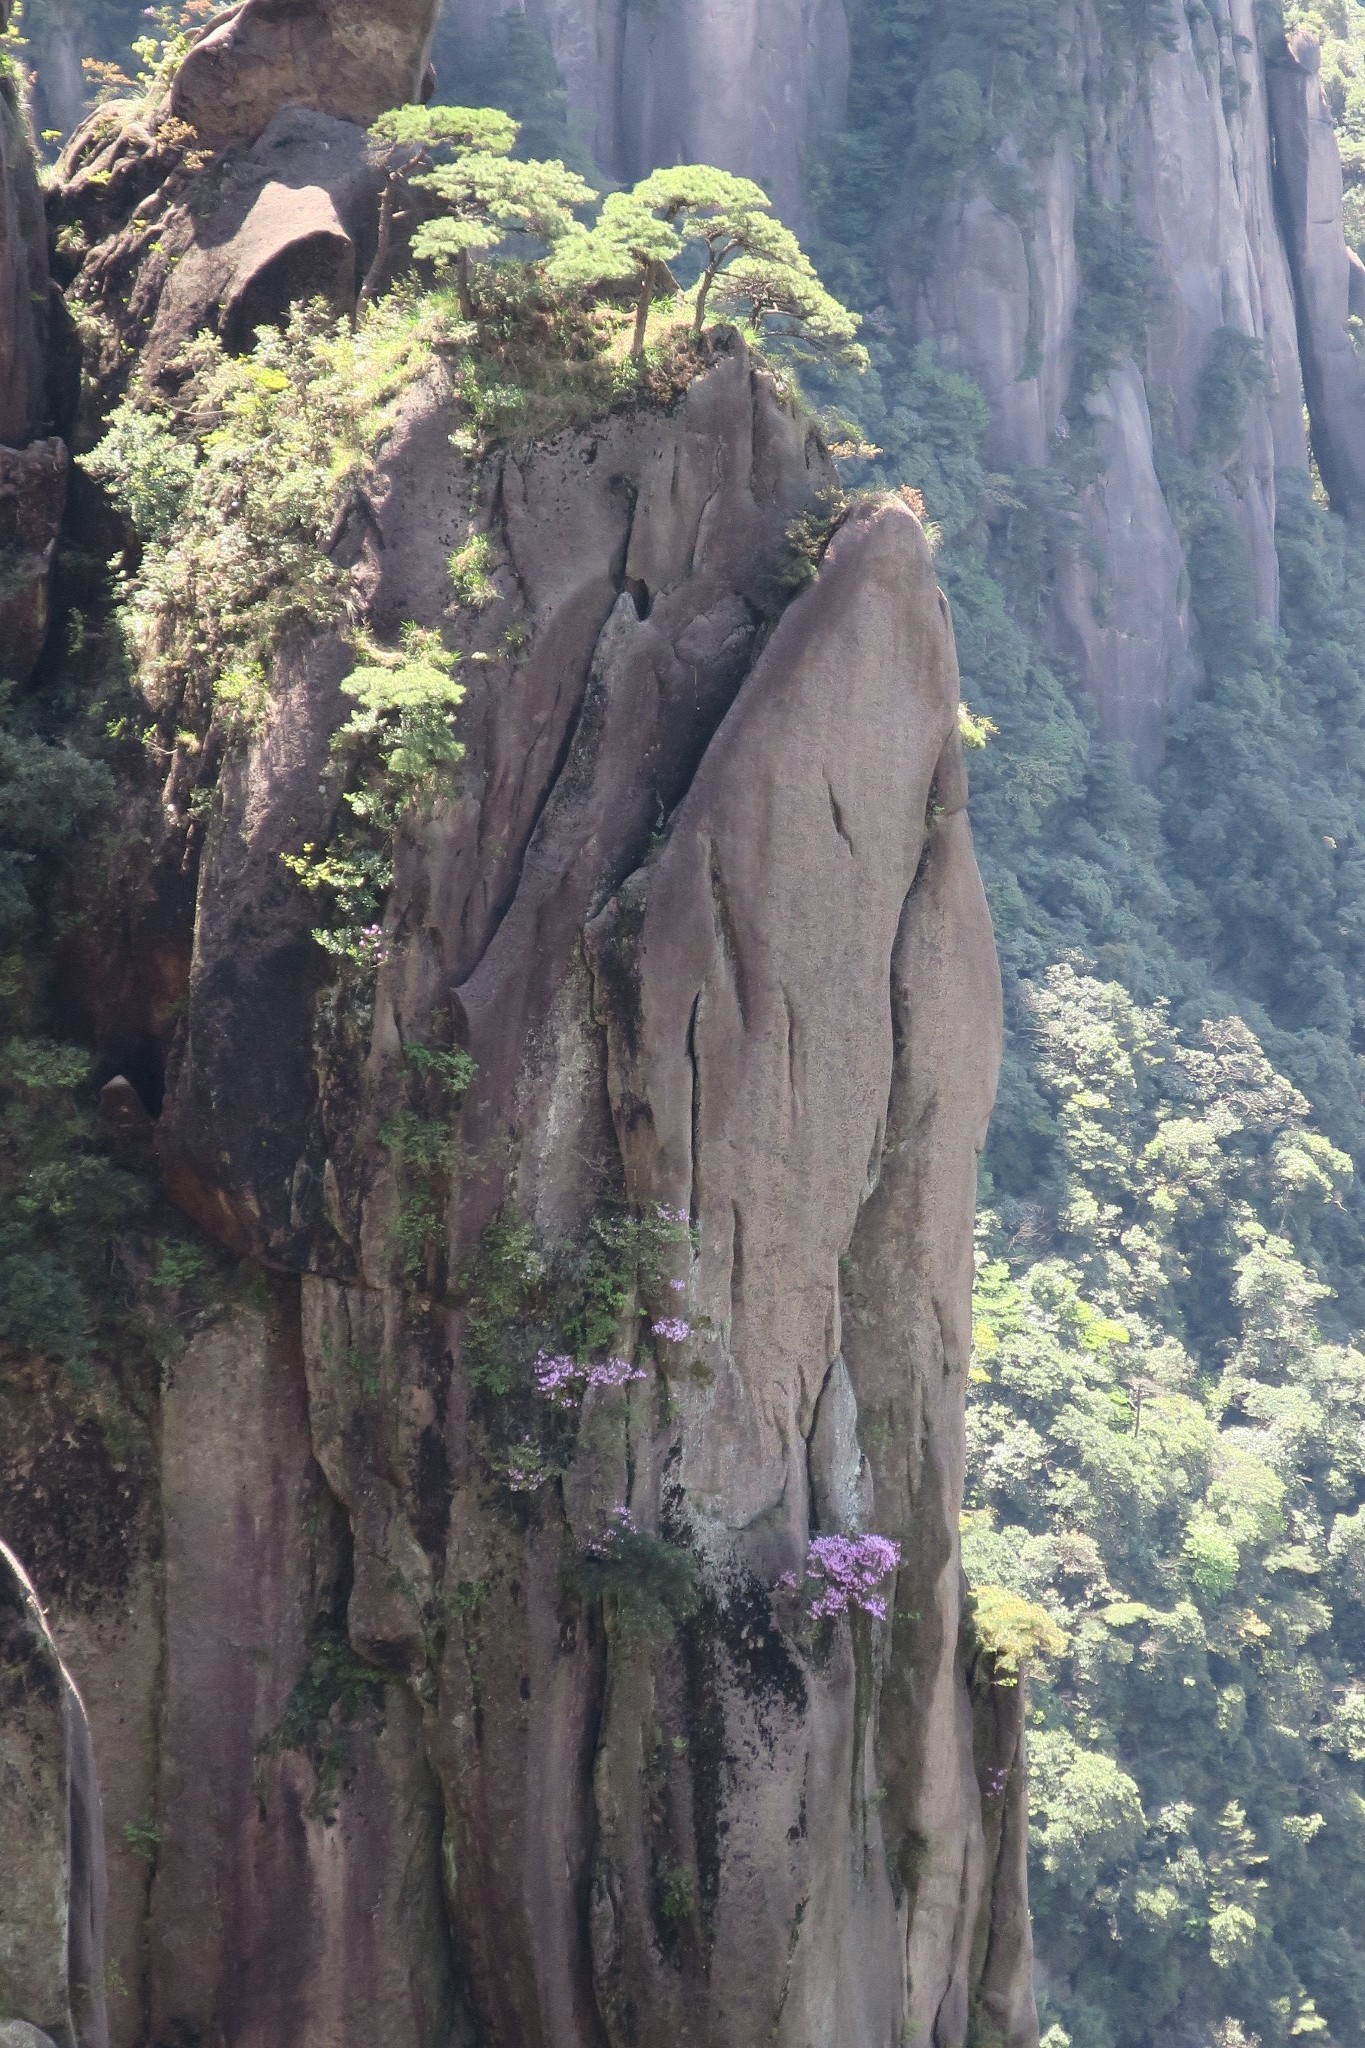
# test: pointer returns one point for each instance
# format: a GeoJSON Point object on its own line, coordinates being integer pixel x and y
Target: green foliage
{"type": "Point", "coordinates": [749, 261]}
{"type": "Point", "coordinates": [582, 1297]}
{"type": "Point", "coordinates": [510, 64]}
{"type": "Point", "coordinates": [148, 468]}
{"type": "Point", "coordinates": [648, 1585]}
{"type": "Point", "coordinates": [333, 1692]}
{"type": "Point", "coordinates": [1119, 292]}
{"type": "Point", "coordinates": [1168, 1459]}
{"type": "Point", "coordinates": [241, 500]}
{"type": "Point", "coordinates": [1015, 1633]}
{"type": "Point", "coordinates": [481, 193]}
{"type": "Point", "coordinates": [424, 1145]}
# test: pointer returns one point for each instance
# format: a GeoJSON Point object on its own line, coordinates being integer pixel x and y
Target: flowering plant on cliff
{"type": "Point", "coordinates": [842, 1572]}
{"type": "Point", "coordinates": [565, 1380]}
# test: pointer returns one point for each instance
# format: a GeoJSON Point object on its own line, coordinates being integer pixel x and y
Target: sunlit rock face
{"type": "Point", "coordinates": [437, 1704]}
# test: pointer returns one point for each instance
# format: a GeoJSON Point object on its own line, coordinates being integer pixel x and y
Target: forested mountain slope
{"type": "Point", "coordinates": [1104, 250]}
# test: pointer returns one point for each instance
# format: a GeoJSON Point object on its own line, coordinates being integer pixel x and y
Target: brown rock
{"type": "Point", "coordinates": [350, 58]}
{"type": "Point", "coordinates": [291, 213]}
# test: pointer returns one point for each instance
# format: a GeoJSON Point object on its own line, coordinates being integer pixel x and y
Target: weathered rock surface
{"type": "Point", "coordinates": [23, 280]}
{"type": "Point", "coordinates": [1122, 604]}
{"type": "Point", "coordinates": [701, 905]}
{"type": "Point", "coordinates": [293, 217]}
{"type": "Point", "coordinates": [1187, 146]}
{"type": "Point", "coordinates": [340, 57]}
{"type": "Point", "coordinates": [51, 1835]}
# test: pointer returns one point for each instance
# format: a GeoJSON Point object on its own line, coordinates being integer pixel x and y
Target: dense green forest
{"type": "Point", "coordinates": [1166, 1512]}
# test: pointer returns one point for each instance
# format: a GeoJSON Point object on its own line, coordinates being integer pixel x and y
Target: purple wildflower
{"type": "Point", "coordinates": [525, 1469]}
{"type": "Point", "coordinates": [558, 1378]}
{"type": "Point", "coordinates": [673, 1328]}
{"type": "Point", "coordinates": [613, 1372]}
{"type": "Point", "coordinates": [620, 1523]}
{"type": "Point", "coordinates": [846, 1571]}
{"type": "Point", "coordinates": [678, 1286]}
{"type": "Point", "coordinates": [563, 1380]}
{"type": "Point", "coordinates": [373, 952]}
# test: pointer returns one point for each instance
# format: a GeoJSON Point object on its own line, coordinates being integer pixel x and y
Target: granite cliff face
{"type": "Point", "coordinates": [427, 1709]}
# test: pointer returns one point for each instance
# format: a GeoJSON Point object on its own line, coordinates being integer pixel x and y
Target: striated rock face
{"type": "Point", "coordinates": [750, 88]}
{"type": "Point", "coordinates": [1308, 176]}
{"type": "Point", "coordinates": [32, 501]}
{"type": "Point", "coordinates": [1187, 145]}
{"type": "Point", "coordinates": [434, 1711]}
{"type": "Point", "coordinates": [23, 280]}
{"type": "Point", "coordinates": [702, 909]}
{"type": "Point", "coordinates": [51, 1838]}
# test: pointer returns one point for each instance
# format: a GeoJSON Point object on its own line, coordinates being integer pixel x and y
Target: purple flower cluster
{"type": "Point", "coordinates": [620, 1522]}
{"type": "Point", "coordinates": [667, 1215]}
{"type": "Point", "coordinates": [996, 1781]}
{"type": "Point", "coordinates": [370, 945]}
{"type": "Point", "coordinates": [525, 1470]}
{"type": "Point", "coordinates": [671, 1327]}
{"type": "Point", "coordinates": [564, 1381]}
{"type": "Point", "coordinates": [844, 1572]}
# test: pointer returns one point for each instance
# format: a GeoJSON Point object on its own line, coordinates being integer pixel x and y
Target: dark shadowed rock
{"type": "Point", "coordinates": [51, 1834]}
{"type": "Point", "coordinates": [23, 279]}
{"type": "Point", "coordinates": [32, 500]}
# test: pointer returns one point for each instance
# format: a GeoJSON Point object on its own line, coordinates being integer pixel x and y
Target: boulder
{"type": "Point", "coordinates": [350, 58]}
{"type": "Point", "coordinates": [295, 221]}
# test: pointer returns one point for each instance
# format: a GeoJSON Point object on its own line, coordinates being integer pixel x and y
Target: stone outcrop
{"type": "Point", "coordinates": [340, 57]}
{"type": "Point", "coordinates": [1192, 161]}
{"type": "Point", "coordinates": [701, 906]}
{"type": "Point", "coordinates": [51, 1838]}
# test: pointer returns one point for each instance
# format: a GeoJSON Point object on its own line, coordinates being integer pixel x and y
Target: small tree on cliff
{"type": "Point", "coordinates": [483, 193]}
{"type": "Point", "coordinates": [729, 220]}
{"type": "Point", "coordinates": [629, 241]}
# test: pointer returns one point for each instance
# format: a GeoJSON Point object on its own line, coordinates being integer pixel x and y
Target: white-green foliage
{"type": "Point", "coordinates": [236, 501]}
{"type": "Point", "coordinates": [1167, 1455]}
{"type": "Point", "coordinates": [750, 262]}
{"type": "Point", "coordinates": [460, 159]}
